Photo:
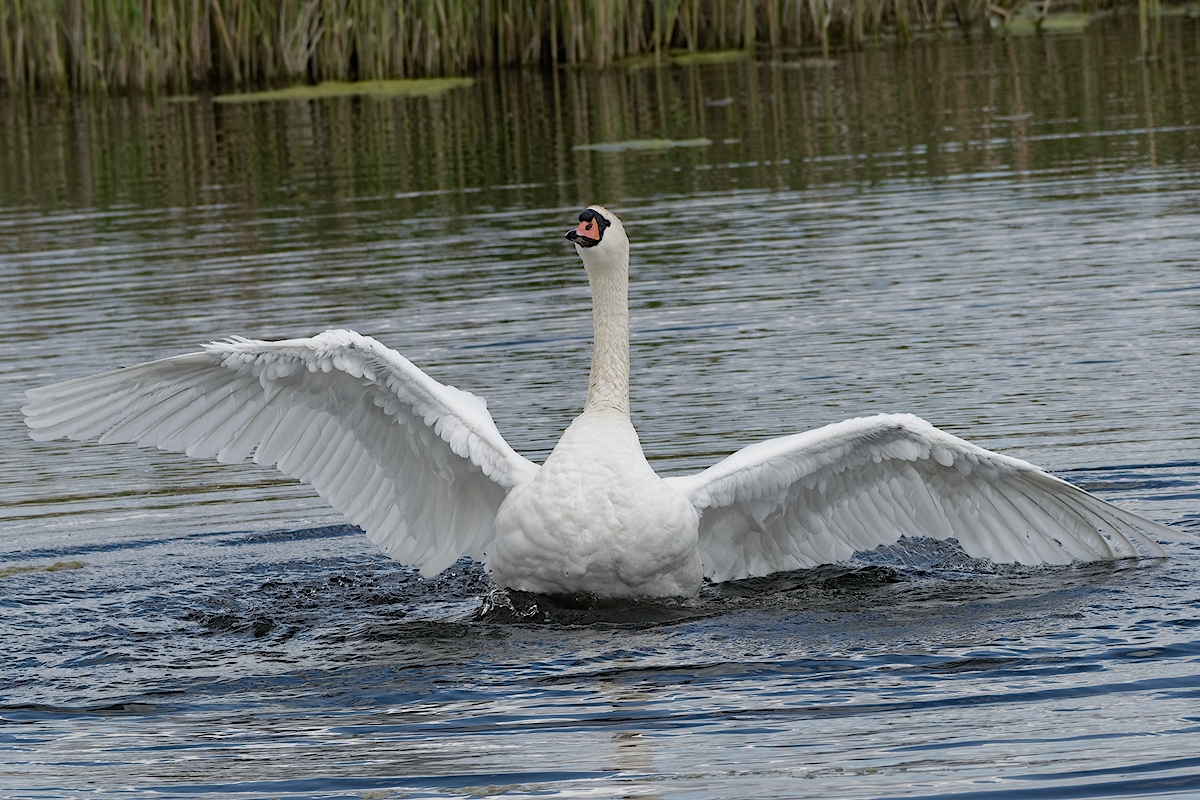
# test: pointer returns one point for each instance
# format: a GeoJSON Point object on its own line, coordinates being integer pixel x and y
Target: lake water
{"type": "Point", "coordinates": [1002, 237]}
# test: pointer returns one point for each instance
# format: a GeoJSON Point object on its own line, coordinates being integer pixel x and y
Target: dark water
{"type": "Point", "coordinates": [1001, 237]}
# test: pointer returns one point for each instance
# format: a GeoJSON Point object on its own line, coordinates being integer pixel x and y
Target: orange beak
{"type": "Point", "coordinates": [586, 234]}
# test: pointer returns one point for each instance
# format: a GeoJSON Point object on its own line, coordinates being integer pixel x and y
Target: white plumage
{"type": "Point", "coordinates": [421, 467]}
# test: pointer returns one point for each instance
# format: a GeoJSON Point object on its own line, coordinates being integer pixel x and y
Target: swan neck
{"type": "Point", "coordinates": [608, 384]}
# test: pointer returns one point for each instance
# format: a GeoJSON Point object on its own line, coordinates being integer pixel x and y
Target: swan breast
{"type": "Point", "coordinates": [597, 520]}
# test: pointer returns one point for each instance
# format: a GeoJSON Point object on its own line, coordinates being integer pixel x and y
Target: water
{"type": "Point", "coordinates": [1000, 237]}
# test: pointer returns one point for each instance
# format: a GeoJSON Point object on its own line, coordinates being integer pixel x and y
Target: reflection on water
{"type": "Point", "coordinates": [997, 236]}
{"type": "Point", "coordinates": [1075, 103]}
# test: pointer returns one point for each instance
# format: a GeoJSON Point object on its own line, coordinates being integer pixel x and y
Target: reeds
{"type": "Point", "coordinates": [179, 45]}
{"type": "Point", "coordinates": [928, 114]}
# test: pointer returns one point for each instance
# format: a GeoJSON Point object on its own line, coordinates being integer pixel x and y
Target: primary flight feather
{"type": "Point", "coordinates": [421, 467]}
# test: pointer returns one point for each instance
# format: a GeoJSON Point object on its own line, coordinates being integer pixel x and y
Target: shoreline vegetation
{"type": "Point", "coordinates": [179, 46]}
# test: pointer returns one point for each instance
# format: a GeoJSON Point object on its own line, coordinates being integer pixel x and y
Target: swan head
{"type": "Point", "coordinates": [600, 239]}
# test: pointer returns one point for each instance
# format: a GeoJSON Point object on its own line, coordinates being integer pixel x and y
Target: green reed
{"type": "Point", "coordinates": [178, 45]}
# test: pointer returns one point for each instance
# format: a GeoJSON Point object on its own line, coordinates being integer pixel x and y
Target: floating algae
{"type": "Point", "coordinates": [716, 57]}
{"type": "Point", "coordinates": [642, 144]}
{"type": "Point", "coordinates": [1067, 22]}
{"type": "Point", "coordinates": [1028, 21]}
{"type": "Point", "coordinates": [644, 61]}
{"type": "Point", "coordinates": [55, 567]}
{"type": "Point", "coordinates": [682, 58]}
{"type": "Point", "coordinates": [412, 87]}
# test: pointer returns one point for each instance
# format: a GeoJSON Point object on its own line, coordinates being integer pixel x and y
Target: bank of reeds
{"type": "Point", "coordinates": [183, 44]}
{"type": "Point", "coordinates": [178, 45]}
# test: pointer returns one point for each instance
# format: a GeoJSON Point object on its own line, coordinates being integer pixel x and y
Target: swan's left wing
{"type": "Point", "coordinates": [821, 496]}
{"type": "Point", "coordinates": [418, 465]}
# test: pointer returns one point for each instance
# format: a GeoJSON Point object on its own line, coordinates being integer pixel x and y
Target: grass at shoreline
{"type": "Point", "coordinates": [182, 45]}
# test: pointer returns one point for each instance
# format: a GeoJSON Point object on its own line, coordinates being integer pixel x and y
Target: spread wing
{"type": "Point", "coordinates": [821, 496]}
{"type": "Point", "coordinates": [418, 465]}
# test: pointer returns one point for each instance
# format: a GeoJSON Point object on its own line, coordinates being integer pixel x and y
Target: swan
{"type": "Point", "coordinates": [422, 469]}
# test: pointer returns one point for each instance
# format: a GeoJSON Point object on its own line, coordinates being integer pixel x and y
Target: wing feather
{"type": "Point", "coordinates": [821, 496]}
{"type": "Point", "coordinates": [243, 441]}
{"type": "Point", "coordinates": [419, 465]}
{"type": "Point", "coordinates": [282, 436]}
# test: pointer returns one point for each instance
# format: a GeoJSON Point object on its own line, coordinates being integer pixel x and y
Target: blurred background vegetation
{"type": "Point", "coordinates": [185, 45]}
{"type": "Point", "coordinates": [929, 112]}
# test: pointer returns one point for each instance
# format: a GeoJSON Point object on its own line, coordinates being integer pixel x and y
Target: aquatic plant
{"type": "Point", "coordinates": [179, 45]}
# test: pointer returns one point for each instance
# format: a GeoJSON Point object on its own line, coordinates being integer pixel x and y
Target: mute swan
{"type": "Point", "coordinates": [423, 470]}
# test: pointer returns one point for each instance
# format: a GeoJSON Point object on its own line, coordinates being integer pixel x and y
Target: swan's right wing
{"type": "Point", "coordinates": [821, 496]}
{"type": "Point", "coordinates": [418, 465]}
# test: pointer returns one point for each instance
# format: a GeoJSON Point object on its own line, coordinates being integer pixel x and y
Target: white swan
{"type": "Point", "coordinates": [422, 469]}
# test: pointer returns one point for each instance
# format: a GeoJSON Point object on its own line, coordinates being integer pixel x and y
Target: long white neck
{"type": "Point", "coordinates": [608, 383]}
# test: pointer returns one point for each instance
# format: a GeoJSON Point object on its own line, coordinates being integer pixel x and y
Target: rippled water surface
{"type": "Point", "coordinates": [1001, 237]}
